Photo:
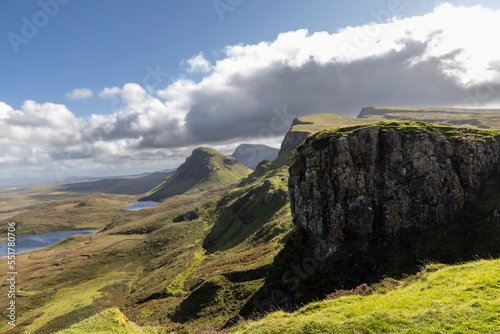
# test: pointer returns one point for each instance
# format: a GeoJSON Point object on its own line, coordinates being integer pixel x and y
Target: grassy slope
{"type": "Point", "coordinates": [170, 275]}
{"type": "Point", "coordinates": [461, 298]}
{"type": "Point", "coordinates": [473, 118]}
{"type": "Point", "coordinates": [108, 321]}
{"type": "Point", "coordinates": [455, 299]}
{"type": "Point", "coordinates": [152, 263]}
{"type": "Point", "coordinates": [204, 169]}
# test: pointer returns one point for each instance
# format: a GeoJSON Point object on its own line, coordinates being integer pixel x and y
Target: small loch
{"type": "Point", "coordinates": [134, 206]}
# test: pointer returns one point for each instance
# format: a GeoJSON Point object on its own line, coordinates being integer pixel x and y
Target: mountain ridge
{"type": "Point", "coordinates": [251, 155]}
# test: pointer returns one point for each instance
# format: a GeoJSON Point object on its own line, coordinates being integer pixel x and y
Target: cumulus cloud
{"type": "Point", "coordinates": [444, 58]}
{"type": "Point", "coordinates": [79, 94]}
{"type": "Point", "coordinates": [197, 63]}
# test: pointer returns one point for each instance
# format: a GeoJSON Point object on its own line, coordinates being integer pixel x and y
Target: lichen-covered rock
{"type": "Point", "coordinates": [351, 188]}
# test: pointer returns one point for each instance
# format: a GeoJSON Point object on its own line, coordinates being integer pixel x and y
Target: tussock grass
{"type": "Point", "coordinates": [106, 322]}
{"type": "Point", "coordinates": [461, 298]}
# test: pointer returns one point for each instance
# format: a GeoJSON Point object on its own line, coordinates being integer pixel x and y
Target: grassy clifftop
{"type": "Point", "coordinates": [204, 169]}
{"type": "Point", "coordinates": [476, 118]}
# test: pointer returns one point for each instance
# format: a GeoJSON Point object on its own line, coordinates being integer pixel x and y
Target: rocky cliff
{"type": "Point", "coordinates": [376, 180]}
{"type": "Point", "coordinates": [377, 199]}
{"type": "Point", "coordinates": [292, 139]}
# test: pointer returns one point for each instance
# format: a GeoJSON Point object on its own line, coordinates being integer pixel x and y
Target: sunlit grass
{"type": "Point", "coordinates": [456, 299]}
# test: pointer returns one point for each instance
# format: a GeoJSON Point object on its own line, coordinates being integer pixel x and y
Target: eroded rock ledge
{"type": "Point", "coordinates": [375, 200]}
{"type": "Point", "coordinates": [376, 180]}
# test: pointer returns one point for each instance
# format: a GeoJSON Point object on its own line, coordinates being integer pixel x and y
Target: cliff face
{"type": "Point", "coordinates": [374, 200]}
{"type": "Point", "coordinates": [292, 139]}
{"type": "Point", "coordinates": [374, 182]}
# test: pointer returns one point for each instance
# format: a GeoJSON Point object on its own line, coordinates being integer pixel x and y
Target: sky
{"type": "Point", "coordinates": [116, 87]}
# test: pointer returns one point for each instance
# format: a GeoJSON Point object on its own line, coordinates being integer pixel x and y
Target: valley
{"type": "Point", "coordinates": [208, 257]}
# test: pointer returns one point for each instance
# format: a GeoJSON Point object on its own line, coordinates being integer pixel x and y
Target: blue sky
{"type": "Point", "coordinates": [97, 44]}
{"type": "Point", "coordinates": [115, 87]}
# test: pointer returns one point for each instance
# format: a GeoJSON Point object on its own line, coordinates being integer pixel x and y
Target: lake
{"type": "Point", "coordinates": [134, 206]}
{"type": "Point", "coordinates": [37, 241]}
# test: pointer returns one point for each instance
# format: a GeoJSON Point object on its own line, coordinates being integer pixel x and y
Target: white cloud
{"type": "Point", "coordinates": [443, 58]}
{"type": "Point", "coordinates": [198, 63]}
{"type": "Point", "coordinates": [79, 94]}
{"type": "Point", "coordinates": [4, 110]}
{"type": "Point", "coordinates": [109, 93]}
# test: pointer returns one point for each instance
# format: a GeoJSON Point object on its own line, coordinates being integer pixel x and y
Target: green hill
{"type": "Point", "coordinates": [461, 298]}
{"type": "Point", "coordinates": [440, 299]}
{"type": "Point", "coordinates": [204, 169]}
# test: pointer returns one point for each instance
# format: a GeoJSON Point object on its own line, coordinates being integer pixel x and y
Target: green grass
{"type": "Point", "coordinates": [176, 287]}
{"type": "Point", "coordinates": [106, 322]}
{"type": "Point", "coordinates": [415, 126]}
{"type": "Point", "coordinates": [317, 122]}
{"type": "Point", "coordinates": [461, 298]}
{"type": "Point", "coordinates": [474, 118]}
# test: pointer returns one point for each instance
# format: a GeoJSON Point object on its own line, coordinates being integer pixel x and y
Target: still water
{"type": "Point", "coordinates": [134, 206]}
{"type": "Point", "coordinates": [37, 241]}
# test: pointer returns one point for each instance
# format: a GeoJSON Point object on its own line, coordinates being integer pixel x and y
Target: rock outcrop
{"type": "Point", "coordinates": [376, 181]}
{"type": "Point", "coordinates": [293, 139]}
{"type": "Point", "coordinates": [377, 199]}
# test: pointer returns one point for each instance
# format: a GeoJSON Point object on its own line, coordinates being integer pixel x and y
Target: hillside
{"type": "Point", "coordinates": [193, 259]}
{"type": "Point", "coordinates": [462, 298]}
{"type": "Point", "coordinates": [204, 169]}
{"type": "Point", "coordinates": [439, 299]}
{"type": "Point", "coordinates": [251, 154]}
{"type": "Point", "coordinates": [197, 262]}
{"type": "Point", "coordinates": [123, 185]}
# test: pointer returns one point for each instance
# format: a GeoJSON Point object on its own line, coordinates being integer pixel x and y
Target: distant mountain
{"type": "Point", "coordinates": [204, 169]}
{"type": "Point", "coordinates": [251, 154]}
{"type": "Point", "coordinates": [129, 185]}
